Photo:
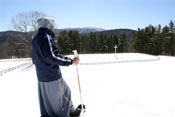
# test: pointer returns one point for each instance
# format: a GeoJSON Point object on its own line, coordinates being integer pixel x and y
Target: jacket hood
{"type": "Point", "coordinates": [46, 23]}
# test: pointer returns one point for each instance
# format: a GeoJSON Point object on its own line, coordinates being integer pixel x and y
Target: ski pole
{"type": "Point", "coordinates": [76, 56]}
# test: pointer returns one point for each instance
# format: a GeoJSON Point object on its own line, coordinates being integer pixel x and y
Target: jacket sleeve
{"type": "Point", "coordinates": [51, 53]}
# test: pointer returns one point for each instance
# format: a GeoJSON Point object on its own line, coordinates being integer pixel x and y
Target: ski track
{"type": "Point", "coordinates": [137, 89]}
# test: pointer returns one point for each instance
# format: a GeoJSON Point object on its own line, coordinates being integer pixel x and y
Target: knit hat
{"type": "Point", "coordinates": [46, 23]}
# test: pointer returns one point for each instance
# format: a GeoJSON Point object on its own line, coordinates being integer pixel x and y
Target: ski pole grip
{"type": "Point", "coordinates": [75, 53]}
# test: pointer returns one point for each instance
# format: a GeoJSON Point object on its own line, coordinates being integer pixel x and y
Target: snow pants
{"type": "Point", "coordinates": [55, 99]}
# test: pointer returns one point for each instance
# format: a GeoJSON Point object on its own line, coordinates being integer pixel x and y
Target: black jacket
{"type": "Point", "coordinates": [46, 56]}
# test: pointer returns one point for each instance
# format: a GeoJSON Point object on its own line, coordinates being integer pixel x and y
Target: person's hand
{"type": "Point", "coordinates": [76, 61]}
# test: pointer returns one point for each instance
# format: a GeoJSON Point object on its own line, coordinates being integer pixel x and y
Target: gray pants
{"type": "Point", "coordinates": [55, 99]}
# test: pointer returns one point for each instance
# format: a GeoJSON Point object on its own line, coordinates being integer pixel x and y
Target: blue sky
{"type": "Point", "coordinates": [107, 14]}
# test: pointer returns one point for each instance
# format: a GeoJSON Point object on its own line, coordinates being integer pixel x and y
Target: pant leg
{"type": "Point", "coordinates": [48, 94]}
{"type": "Point", "coordinates": [66, 104]}
{"type": "Point", "coordinates": [67, 94]}
{"type": "Point", "coordinates": [55, 99]}
{"type": "Point", "coordinates": [42, 107]}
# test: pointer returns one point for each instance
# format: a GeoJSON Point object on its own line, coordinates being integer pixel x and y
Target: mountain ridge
{"type": "Point", "coordinates": [18, 37]}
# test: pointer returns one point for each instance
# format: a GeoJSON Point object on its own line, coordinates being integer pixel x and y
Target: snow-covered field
{"type": "Point", "coordinates": [126, 87]}
{"type": "Point", "coordinates": [8, 63]}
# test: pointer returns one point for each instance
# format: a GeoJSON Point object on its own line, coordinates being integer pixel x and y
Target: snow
{"type": "Point", "coordinates": [8, 63]}
{"type": "Point", "coordinates": [131, 86]}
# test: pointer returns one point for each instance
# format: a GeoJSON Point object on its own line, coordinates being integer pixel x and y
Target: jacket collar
{"type": "Point", "coordinates": [46, 30]}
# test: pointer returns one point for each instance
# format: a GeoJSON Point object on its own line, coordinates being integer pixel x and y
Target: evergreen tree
{"type": "Point", "coordinates": [172, 37]}
{"type": "Point", "coordinates": [158, 41]}
{"type": "Point", "coordinates": [62, 42]}
{"type": "Point", "coordinates": [101, 42]}
{"type": "Point", "coordinates": [110, 43]}
{"type": "Point", "coordinates": [74, 41]}
{"type": "Point", "coordinates": [166, 40]}
{"type": "Point", "coordinates": [85, 44]}
{"type": "Point", "coordinates": [138, 41]}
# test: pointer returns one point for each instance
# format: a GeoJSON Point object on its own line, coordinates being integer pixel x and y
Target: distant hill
{"type": "Point", "coordinates": [11, 37]}
{"type": "Point", "coordinates": [81, 30]}
{"type": "Point", "coordinates": [18, 37]}
{"type": "Point", "coordinates": [128, 32]}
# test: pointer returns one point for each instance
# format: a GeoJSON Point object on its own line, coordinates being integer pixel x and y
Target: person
{"type": "Point", "coordinates": [54, 93]}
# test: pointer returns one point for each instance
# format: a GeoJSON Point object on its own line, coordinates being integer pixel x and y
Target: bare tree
{"type": "Point", "coordinates": [20, 22]}
{"type": "Point", "coordinates": [26, 22]}
{"type": "Point", "coordinates": [33, 17]}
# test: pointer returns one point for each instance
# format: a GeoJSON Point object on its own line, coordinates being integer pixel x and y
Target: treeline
{"type": "Point", "coordinates": [12, 50]}
{"type": "Point", "coordinates": [91, 43]}
{"type": "Point", "coordinates": [155, 40]}
{"type": "Point", "coordinates": [13, 44]}
{"type": "Point", "coordinates": [150, 40]}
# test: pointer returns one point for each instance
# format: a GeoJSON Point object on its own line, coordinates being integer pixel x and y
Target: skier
{"type": "Point", "coordinates": [54, 93]}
